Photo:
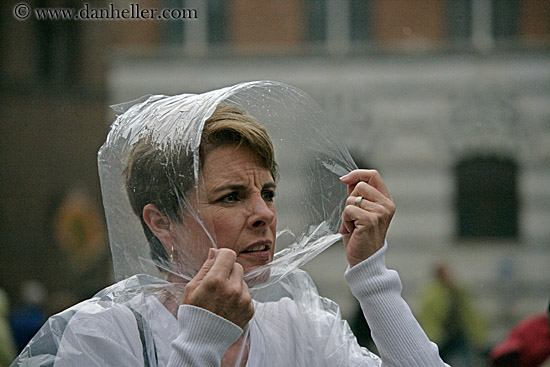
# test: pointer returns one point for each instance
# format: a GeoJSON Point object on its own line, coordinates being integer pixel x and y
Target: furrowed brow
{"type": "Point", "coordinates": [230, 187]}
{"type": "Point", "coordinates": [236, 187]}
{"type": "Point", "coordinates": [270, 185]}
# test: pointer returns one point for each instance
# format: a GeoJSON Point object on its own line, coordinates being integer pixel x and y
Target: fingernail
{"type": "Point", "coordinates": [211, 253]}
{"type": "Point", "coordinates": [344, 177]}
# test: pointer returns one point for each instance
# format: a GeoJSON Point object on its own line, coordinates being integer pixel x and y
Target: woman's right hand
{"type": "Point", "coordinates": [219, 287]}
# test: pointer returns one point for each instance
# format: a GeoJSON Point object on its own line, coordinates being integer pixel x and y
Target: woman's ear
{"type": "Point", "coordinates": [158, 223]}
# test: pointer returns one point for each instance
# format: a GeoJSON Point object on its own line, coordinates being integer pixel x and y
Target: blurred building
{"type": "Point", "coordinates": [53, 106]}
{"type": "Point", "coordinates": [447, 98]}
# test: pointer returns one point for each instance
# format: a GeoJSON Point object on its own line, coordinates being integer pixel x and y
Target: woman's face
{"type": "Point", "coordinates": [235, 204]}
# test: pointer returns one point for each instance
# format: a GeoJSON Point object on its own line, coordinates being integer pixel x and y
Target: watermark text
{"type": "Point", "coordinates": [134, 11]}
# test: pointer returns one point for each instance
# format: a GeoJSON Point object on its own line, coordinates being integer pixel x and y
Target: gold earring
{"type": "Point", "coordinates": [172, 254]}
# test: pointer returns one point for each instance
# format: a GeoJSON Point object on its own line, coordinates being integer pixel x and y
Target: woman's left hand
{"type": "Point", "coordinates": [365, 221]}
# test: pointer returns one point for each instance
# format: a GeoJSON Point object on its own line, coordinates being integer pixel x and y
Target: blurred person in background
{"type": "Point", "coordinates": [527, 344]}
{"type": "Point", "coordinates": [29, 315]}
{"type": "Point", "coordinates": [450, 319]}
{"type": "Point", "coordinates": [7, 346]}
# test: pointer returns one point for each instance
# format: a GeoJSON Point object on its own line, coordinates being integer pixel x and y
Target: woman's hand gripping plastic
{"type": "Point", "coordinates": [367, 214]}
{"type": "Point", "coordinates": [219, 288]}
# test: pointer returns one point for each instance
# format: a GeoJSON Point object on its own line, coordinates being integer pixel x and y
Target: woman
{"type": "Point", "coordinates": [205, 287]}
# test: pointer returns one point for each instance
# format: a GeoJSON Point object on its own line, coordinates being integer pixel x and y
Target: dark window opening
{"type": "Point", "coordinates": [316, 20]}
{"type": "Point", "coordinates": [59, 47]}
{"type": "Point", "coordinates": [487, 198]}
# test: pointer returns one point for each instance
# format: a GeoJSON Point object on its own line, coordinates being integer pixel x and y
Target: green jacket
{"type": "Point", "coordinates": [444, 309]}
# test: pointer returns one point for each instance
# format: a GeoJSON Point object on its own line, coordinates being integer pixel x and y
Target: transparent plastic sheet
{"type": "Point", "coordinates": [309, 203]}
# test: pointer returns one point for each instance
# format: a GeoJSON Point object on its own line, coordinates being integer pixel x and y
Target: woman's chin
{"type": "Point", "coordinates": [256, 275]}
{"type": "Point", "coordinates": [254, 260]}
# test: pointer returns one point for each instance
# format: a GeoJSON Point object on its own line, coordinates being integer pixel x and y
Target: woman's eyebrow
{"type": "Point", "coordinates": [270, 185]}
{"type": "Point", "coordinates": [237, 187]}
{"type": "Point", "coordinates": [230, 187]}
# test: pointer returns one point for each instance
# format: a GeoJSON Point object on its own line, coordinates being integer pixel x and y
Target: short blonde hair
{"type": "Point", "coordinates": [229, 125]}
{"type": "Point", "coordinates": [149, 182]}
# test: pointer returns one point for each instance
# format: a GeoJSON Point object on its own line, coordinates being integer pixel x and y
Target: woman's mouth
{"type": "Point", "coordinates": [256, 248]}
{"type": "Point", "coordinates": [260, 250]}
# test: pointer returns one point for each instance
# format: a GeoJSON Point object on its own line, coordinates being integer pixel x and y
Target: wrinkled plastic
{"type": "Point", "coordinates": [309, 202]}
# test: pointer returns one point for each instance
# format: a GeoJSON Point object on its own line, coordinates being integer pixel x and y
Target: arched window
{"type": "Point", "coordinates": [487, 201]}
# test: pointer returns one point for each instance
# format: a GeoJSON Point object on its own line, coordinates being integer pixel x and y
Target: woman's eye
{"type": "Point", "coordinates": [268, 195]}
{"type": "Point", "coordinates": [230, 198]}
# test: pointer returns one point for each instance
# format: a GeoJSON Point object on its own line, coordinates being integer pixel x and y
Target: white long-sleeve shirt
{"type": "Point", "coordinates": [304, 331]}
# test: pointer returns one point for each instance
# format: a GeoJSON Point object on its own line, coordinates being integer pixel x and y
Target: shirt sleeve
{"type": "Point", "coordinates": [398, 336]}
{"type": "Point", "coordinates": [203, 338]}
{"type": "Point", "coordinates": [97, 337]}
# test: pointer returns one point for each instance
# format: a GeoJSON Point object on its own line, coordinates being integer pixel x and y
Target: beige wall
{"type": "Point", "coordinates": [408, 21]}
{"type": "Point", "coordinates": [265, 21]}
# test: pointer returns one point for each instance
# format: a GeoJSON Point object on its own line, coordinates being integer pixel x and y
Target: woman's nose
{"type": "Point", "coordinates": [262, 213]}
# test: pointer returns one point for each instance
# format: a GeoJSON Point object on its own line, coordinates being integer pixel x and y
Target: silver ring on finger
{"type": "Point", "coordinates": [358, 201]}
